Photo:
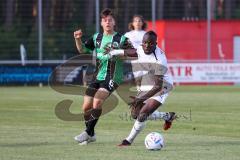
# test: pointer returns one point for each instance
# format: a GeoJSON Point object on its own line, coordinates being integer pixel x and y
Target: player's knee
{"type": "Point", "coordinates": [142, 117]}
{"type": "Point", "coordinates": [86, 108]}
{"type": "Point", "coordinates": [134, 112]}
{"type": "Point", "coordinates": [134, 116]}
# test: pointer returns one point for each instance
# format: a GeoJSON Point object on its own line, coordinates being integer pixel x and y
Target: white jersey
{"type": "Point", "coordinates": [151, 65]}
{"type": "Point", "coordinates": [135, 37]}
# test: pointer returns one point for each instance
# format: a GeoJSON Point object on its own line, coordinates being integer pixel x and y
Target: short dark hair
{"type": "Point", "coordinates": [106, 12]}
{"type": "Point", "coordinates": [152, 34]}
{"type": "Point", "coordinates": [144, 26]}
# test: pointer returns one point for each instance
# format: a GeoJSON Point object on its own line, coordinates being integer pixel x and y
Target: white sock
{"type": "Point", "coordinates": [137, 128]}
{"type": "Point", "coordinates": [158, 115]}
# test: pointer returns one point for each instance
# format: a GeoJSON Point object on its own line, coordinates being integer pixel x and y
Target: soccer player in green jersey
{"type": "Point", "coordinates": [109, 73]}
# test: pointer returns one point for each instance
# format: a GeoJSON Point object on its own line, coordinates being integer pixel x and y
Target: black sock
{"type": "Point", "coordinates": [86, 124]}
{"type": "Point", "coordinates": [91, 126]}
{"type": "Point", "coordinates": [87, 116]}
{"type": "Point", "coordinates": [93, 121]}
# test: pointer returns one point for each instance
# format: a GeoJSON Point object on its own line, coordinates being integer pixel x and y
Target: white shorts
{"type": "Point", "coordinates": [160, 98]}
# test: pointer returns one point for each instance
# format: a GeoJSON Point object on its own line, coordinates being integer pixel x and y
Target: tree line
{"type": "Point", "coordinates": [19, 18]}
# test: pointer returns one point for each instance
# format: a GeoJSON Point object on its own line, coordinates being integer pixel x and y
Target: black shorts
{"type": "Point", "coordinates": [107, 84]}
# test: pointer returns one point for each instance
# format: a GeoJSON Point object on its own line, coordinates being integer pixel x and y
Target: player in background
{"type": "Point", "coordinates": [109, 70]}
{"type": "Point", "coordinates": [137, 30]}
{"type": "Point", "coordinates": [155, 86]}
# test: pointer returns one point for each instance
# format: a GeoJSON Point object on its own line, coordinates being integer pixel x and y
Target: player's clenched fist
{"type": "Point", "coordinates": [78, 34]}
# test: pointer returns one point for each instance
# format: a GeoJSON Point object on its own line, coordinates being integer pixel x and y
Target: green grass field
{"type": "Point", "coordinates": [30, 130]}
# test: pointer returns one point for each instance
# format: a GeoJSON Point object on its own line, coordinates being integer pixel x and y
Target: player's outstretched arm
{"type": "Point", "coordinates": [77, 36]}
{"type": "Point", "coordinates": [123, 52]}
{"type": "Point", "coordinates": [130, 52]}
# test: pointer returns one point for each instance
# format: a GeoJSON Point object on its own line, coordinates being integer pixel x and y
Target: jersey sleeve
{"type": "Point", "coordinates": [126, 43]}
{"type": "Point", "coordinates": [160, 69]}
{"type": "Point", "coordinates": [89, 44]}
{"type": "Point", "coordinates": [161, 64]}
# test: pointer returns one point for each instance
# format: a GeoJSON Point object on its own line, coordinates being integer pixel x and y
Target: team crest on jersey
{"type": "Point", "coordinates": [115, 45]}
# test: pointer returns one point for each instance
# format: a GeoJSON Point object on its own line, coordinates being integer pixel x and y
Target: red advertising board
{"type": "Point", "coordinates": [187, 40]}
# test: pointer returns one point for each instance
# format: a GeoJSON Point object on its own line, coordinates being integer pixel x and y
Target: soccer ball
{"type": "Point", "coordinates": [154, 141]}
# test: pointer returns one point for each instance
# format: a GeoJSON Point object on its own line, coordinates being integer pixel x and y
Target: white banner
{"type": "Point", "coordinates": [205, 72]}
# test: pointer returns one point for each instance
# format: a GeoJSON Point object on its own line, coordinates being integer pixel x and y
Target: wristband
{"type": "Point", "coordinates": [116, 52]}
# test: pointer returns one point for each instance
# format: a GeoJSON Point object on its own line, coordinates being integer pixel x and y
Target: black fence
{"type": "Point", "coordinates": [19, 21]}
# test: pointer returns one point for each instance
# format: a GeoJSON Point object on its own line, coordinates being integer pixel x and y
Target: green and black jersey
{"type": "Point", "coordinates": [108, 68]}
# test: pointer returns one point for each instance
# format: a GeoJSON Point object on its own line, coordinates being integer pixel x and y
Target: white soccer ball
{"type": "Point", "coordinates": [154, 141]}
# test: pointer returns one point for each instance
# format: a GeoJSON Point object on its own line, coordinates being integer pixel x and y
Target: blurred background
{"type": "Point", "coordinates": [201, 38]}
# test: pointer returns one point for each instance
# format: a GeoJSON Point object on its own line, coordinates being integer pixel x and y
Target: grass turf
{"type": "Point", "coordinates": [29, 128]}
